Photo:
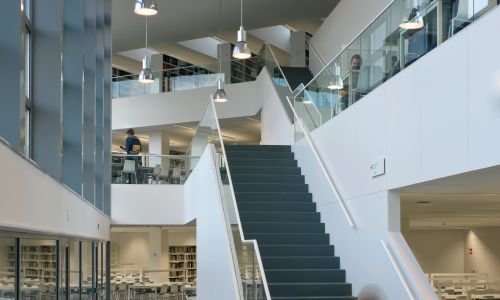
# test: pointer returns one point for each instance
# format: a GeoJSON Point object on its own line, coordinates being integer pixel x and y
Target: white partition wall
{"type": "Point", "coordinates": [216, 269]}
{"type": "Point", "coordinates": [437, 118]}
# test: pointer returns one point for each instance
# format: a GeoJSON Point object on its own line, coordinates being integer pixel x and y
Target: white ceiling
{"type": "Point", "coordinates": [463, 201]}
{"type": "Point", "coordinates": [182, 20]}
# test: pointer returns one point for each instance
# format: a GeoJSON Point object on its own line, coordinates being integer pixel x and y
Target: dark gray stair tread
{"type": "Point", "coordinates": [264, 170]}
{"type": "Point", "coordinates": [289, 238]}
{"type": "Point", "coordinates": [297, 250]}
{"type": "Point", "coordinates": [262, 162]}
{"type": "Point", "coordinates": [280, 216]}
{"type": "Point", "coordinates": [305, 275]}
{"type": "Point", "coordinates": [264, 178]}
{"type": "Point", "coordinates": [270, 187]}
{"type": "Point", "coordinates": [247, 206]}
{"type": "Point", "coordinates": [287, 289]}
{"type": "Point", "coordinates": [274, 196]}
{"type": "Point", "coordinates": [287, 227]}
{"type": "Point", "coordinates": [259, 154]}
{"type": "Point", "coordinates": [278, 148]}
{"type": "Point", "coordinates": [301, 262]}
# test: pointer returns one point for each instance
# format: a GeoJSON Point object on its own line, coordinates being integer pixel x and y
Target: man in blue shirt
{"type": "Point", "coordinates": [133, 147]}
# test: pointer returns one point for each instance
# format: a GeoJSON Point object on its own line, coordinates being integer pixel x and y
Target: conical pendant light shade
{"type": "Point", "coordinates": [241, 50]}
{"type": "Point", "coordinates": [220, 95]}
{"type": "Point", "coordinates": [145, 7]}
{"type": "Point", "coordinates": [146, 76]}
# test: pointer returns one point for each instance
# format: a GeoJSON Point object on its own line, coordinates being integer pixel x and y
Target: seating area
{"type": "Point", "coordinates": [146, 171]}
{"type": "Point", "coordinates": [465, 286]}
{"type": "Point", "coordinates": [139, 286]}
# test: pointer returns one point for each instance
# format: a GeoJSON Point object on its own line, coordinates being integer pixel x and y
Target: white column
{"type": "Point", "coordinates": [154, 252]}
{"type": "Point", "coordinates": [159, 143]}
{"type": "Point", "coordinates": [298, 49]}
{"type": "Point", "coordinates": [156, 68]}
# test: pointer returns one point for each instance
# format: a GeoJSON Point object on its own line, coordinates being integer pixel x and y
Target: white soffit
{"type": "Point", "coordinates": [206, 45]}
{"type": "Point", "coordinates": [278, 36]}
{"type": "Point", "coordinates": [138, 54]}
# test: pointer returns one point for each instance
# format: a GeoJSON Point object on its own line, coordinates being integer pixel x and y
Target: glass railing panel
{"type": "Point", "coordinates": [403, 33]}
{"type": "Point", "coordinates": [149, 168]}
{"type": "Point", "coordinates": [189, 77]}
{"type": "Point", "coordinates": [245, 252]}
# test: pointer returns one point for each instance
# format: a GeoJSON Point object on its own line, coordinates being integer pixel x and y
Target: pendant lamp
{"type": "Point", "coordinates": [414, 20]}
{"type": "Point", "coordinates": [145, 7]}
{"type": "Point", "coordinates": [146, 76]}
{"type": "Point", "coordinates": [241, 50]}
{"type": "Point", "coordinates": [336, 83]}
{"type": "Point", "coordinates": [220, 95]}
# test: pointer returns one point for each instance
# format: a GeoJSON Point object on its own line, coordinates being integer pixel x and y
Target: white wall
{"type": "Point", "coordinates": [153, 204]}
{"type": "Point", "coordinates": [344, 23]}
{"type": "Point", "coordinates": [214, 245]}
{"type": "Point", "coordinates": [485, 257]}
{"type": "Point", "coordinates": [438, 117]}
{"type": "Point", "coordinates": [183, 106]}
{"type": "Point", "coordinates": [438, 251]}
{"type": "Point", "coordinates": [33, 201]}
{"type": "Point", "coordinates": [276, 128]}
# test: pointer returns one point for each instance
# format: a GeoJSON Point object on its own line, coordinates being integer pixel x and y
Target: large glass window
{"type": "Point", "coordinates": [87, 268]}
{"type": "Point", "coordinates": [38, 269]}
{"type": "Point", "coordinates": [7, 268]}
{"type": "Point", "coordinates": [74, 269]}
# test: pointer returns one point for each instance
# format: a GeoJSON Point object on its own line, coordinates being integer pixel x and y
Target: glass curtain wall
{"type": "Point", "coordinates": [36, 267]}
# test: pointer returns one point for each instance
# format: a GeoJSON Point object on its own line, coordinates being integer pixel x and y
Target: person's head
{"type": "Point", "coordinates": [130, 132]}
{"type": "Point", "coordinates": [356, 62]}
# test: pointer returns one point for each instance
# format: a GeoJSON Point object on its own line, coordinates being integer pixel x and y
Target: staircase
{"type": "Point", "coordinates": [295, 76]}
{"type": "Point", "coordinates": [277, 210]}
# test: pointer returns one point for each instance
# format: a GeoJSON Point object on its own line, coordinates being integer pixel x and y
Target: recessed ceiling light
{"type": "Point", "coordinates": [424, 203]}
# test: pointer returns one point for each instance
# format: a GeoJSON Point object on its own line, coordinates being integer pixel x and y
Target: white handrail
{"type": "Point", "coordinates": [398, 270]}
{"type": "Point", "coordinates": [233, 196]}
{"type": "Point", "coordinates": [323, 167]}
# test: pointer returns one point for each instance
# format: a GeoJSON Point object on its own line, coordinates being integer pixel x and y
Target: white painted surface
{"type": "Point", "coordinates": [428, 122]}
{"type": "Point", "coordinates": [33, 201]}
{"type": "Point", "coordinates": [344, 23]}
{"type": "Point", "coordinates": [147, 204]}
{"type": "Point", "coordinates": [276, 128]}
{"type": "Point", "coordinates": [213, 240]}
{"type": "Point", "coordinates": [278, 36]}
{"type": "Point", "coordinates": [183, 106]}
{"type": "Point", "coordinates": [485, 245]}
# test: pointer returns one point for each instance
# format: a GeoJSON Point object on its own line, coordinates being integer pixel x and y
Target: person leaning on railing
{"type": "Point", "coordinates": [133, 148]}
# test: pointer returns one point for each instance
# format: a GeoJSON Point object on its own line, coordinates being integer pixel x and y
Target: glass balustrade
{"type": "Point", "coordinates": [249, 264]}
{"type": "Point", "coordinates": [404, 32]}
{"type": "Point", "coordinates": [149, 168]}
{"type": "Point", "coordinates": [186, 78]}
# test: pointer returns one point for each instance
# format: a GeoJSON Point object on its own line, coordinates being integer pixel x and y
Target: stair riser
{"type": "Point", "coordinates": [283, 227]}
{"type": "Point", "coordinates": [270, 187]}
{"type": "Point", "coordinates": [264, 170]}
{"type": "Point", "coordinates": [276, 206]}
{"type": "Point", "coordinates": [274, 197]}
{"type": "Point", "coordinates": [334, 289]}
{"type": "Point", "coordinates": [301, 262]}
{"type": "Point", "coordinates": [296, 250]}
{"type": "Point", "coordinates": [280, 217]}
{"type": "Point", "coordinates": [259, 155]}
{"type": "Point", "coordinates": [290, 239]}
{"type": "Point", "coordinates": [235, 162]}
{"type": "Point", "coordinates": [295, 179]}
{"type": "Point", "coordinates": [305, 276]}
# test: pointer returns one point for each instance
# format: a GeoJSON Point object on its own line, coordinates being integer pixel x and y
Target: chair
{"type": "Point", "coordinates": [129, 167]}
{"type": "Point", "coordinates": [154, 175]}
{"type": "Point", "coordinates": [461, 18]}
{"type": "Point", "coordinates": [164, 176]}
{"type": "Point", "coordinates": [163, 292]}
{"type": "Point", "coordinates": [122, 290]}
{"type": "Point", "coordinates": [176, 175]}
{"type": "Point", "coordinates": [174, 292]}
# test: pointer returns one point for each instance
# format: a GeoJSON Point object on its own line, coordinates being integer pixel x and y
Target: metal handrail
{"type": "Point", "coordinates": [233, 196]}
{"type": "Point", "coordinates": [331, 183]}
{"type": "Point", "coordinates": [397, 269]}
